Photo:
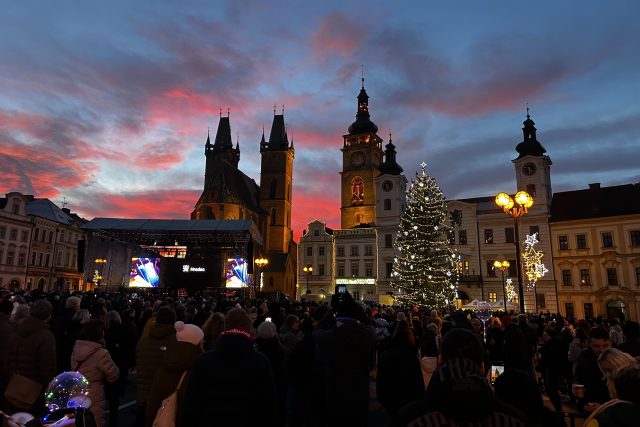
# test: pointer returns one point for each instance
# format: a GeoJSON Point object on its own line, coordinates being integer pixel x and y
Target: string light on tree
{"type": "Point", "coordinates": [533, 266]}
{"type": "Point", "coordinates": [424, 262]}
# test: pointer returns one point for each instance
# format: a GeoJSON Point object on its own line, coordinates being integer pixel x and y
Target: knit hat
{"type": "Point", "coordinates": [189, 333]}
{"type": "Point", "coordinates": [165, 316]}
{"type": "Point", "coordinates": [266, 330]}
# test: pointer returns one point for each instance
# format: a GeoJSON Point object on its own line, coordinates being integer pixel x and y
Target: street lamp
{"type": "Point", "coordinates": [516, 207]}
{"type": "Point", "coordinates": [308, 270]}
{"type": "Point", "coordinates": [502, 266]}
{"type": "Point", "coordinates": [260, 262]}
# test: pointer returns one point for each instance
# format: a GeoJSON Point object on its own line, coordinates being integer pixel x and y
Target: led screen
{"type": "Point", "coordinates": [236, 271]}
{"type": "Point", "coordinates": [190, 273]}
{"type": "Point", "coordinates": [145, 273]}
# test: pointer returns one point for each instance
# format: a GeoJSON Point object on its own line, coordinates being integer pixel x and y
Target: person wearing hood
{"type": "Point", "coordinates": [177, 362]}
{"type": "Point", "coordinates": [460, 378]}
{"type": "Point", "coordinates": [343, 355]}
{"type": "Point", "coordinates": [92, 359]}
{"type": "Point", "coordinates": [150, 352]}
{"type": "Point", "coordinates": [33, 352]}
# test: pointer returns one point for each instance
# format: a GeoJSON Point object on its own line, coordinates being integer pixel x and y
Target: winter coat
{"type": "Point", "coordinates": [587, 372]}
{"type": "Point", "coordinates": [93, 361]}
{"type": "Point", "coordinates": [178, 360]}
{"type": "Point", "coordinates": [275, 352]}
{"type": "Point", "coordinates": [121, 344]}
{"type": "Point", "coordinates": [7, 336]}
{"type": "Point", "coordinates": [343, 354]}
{"type": "Point", "coordinates": [231, 385]}
{"type": "Point", "coordinates": [615, 413]}
{"type": "Point", "coordinates": [399, 379]}
{"type": "Point", "coordinates": [575, 348]}
{"type": "Point", "coordinates": [150, 352]}
{"type": "Point", "coordinates": [288, 337]}
{"type": "Point", "coordinates": [32, 354]}
{"type": "Point", "coordinates": [631, 346]}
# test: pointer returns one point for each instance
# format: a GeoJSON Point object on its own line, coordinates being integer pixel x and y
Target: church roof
{"type": "Point", "coordinates": [596, 202]}
{"type": "Point", "coordinates": [223, 134]}
{"type": "Point", "coordinates": [278, 137]}
{"type": "Point", "coordinates": [390, 166]}
{"type": "Point", "coordinates": [228, 184]}
{"type": "Point", "coordinates": [529, 145]}
{"type": "Point", "coordinates": [363, 123]}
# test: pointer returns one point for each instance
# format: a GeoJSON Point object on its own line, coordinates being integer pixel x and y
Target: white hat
{"type": "Point", "coordinates": [188, 333]}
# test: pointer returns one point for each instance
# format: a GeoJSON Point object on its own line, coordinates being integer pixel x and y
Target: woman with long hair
{"type": "Point", "coordinates": [610, 361]}
{"type": "Point", "coordinates": [212, 329]}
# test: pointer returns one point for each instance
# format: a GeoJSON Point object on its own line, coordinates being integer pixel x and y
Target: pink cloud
{"type": "Point", "coordinates": [336, 34]}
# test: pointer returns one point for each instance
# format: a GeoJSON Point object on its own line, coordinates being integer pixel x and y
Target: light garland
{"type": "Point", "coordinates": [533, 266]}
{"type": "Point", "coordinates": [510, 289]}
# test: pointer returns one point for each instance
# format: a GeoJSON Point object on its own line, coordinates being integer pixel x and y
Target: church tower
{"type": "Point", "coordinates": [276, 175]}
{"type": "Point", "coordinates": [361, 156]}
{"type": "Point", "coordinates": [533, 167]}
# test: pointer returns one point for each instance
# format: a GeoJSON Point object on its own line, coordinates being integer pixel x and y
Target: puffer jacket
{"type": "Point", "coordinates": [178, 360]}
{"type": "Point", "coordinates": [150, 352]}
{"type": "Point", "coordinates": [93, 361]}
{"type": "Point", "coordinates": [33, 353]}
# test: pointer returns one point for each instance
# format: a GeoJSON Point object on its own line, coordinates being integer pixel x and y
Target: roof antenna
{"type": "Point", "coordinates": [283, 109]}
{"type": "Point", "coordinates": [274, 109]}
{"type": "Point", "coordinates": [64, 202]}
{"type": "Point", "coordinates": [389, 134]}
{"type": "Point", "coordinates": [228, 111]}
{"type": "Point", "coordinates": [528, 117]}
{"type": "Point", "coordinates": [362, 76]}
{"type": "Point", "coordinates": [220, 112]}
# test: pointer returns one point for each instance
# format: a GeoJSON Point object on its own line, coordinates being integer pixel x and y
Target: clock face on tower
{"type": "Point", "coordinates": [387, 185]}
{"type": "Point", "coordinates": [529, 169]}
{"type": "Point", "coordinates": [357, 159]}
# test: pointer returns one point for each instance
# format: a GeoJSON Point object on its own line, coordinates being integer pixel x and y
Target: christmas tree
{"type": "Point", "coordinates": [423, 263]}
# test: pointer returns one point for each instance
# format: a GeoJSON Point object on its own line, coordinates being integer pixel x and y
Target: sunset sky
{"type": "Point", "coordinates": [107, 104]}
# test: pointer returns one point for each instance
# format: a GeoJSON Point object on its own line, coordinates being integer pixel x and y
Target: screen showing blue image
{"type": "Point", "coordinates": [236, 272]}
{"type": "Point", "coordinates": [145, 273]}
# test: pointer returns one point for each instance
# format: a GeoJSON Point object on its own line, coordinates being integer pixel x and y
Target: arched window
{"type": "Point", "coordinates": [357, 191]}
{"type": "Point", "coordinates": [273, 216]}
{"type": "Point", "coordinates": [274, 188]}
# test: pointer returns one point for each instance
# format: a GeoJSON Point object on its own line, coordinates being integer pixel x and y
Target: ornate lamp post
{"type": "Point", "coordinates": [502, 266]}
{"type": "Point", "coordinates": [308, 269]}
{"type": "Point", "coordinates": [260, 262]}
{"type": "Point", "coordinates": [516, 207]}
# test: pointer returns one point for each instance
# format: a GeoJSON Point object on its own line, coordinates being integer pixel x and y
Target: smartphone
{"type": "Point", "coordinates": [267, 319]}
{"type": "Point", "coordinates": [341, 289]}
{"type": "Point", "coordinates": [497, 368]}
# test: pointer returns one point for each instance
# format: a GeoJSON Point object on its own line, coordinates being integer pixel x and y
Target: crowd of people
{"type": "Point", "coordinates": [258, 362]}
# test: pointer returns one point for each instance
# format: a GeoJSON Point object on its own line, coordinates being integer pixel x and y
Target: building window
{"type": "Point", "coordinates": [607, 240]}
{"type": "Point", "coordinates": [354, 250]}
{"type": "Point", "coordinates": [46, 262]}
{"type": "Point", "coordinates": [585, 277]}
{"type": "Point", "coordinates": [566, 278]}
{"type": "Point", "coordinates": [340, 270]}
{"type": "Point", "coordinates": [355, 271]}
{"type": "Point", "coordinates": [588, 310]}
{"type": "Point", "coordinates": [513, 269]}
{"type": "Point", "coordinates": [389, 269]}
{"type": "Point", "coordinates": [491, 272]}
{"type": "Point", "coordinates": [273, 216]}
{"type": "Point", "coordinates": [33, 258]}
{"type": "Point", "coordinates": [368, 269]}
{"type": "Point", "coordinates": [493, 297]}
{"type": "Point", "coordinates": [16, 208]}
{"type": "Point", "coordinates": [1, 256]}
{"type": "Point", "coordinates": [462, 237]}
{"type": "Point", "coordinates": [531, 189]}
{"type": "Point", "coordinates": [340, 251]}
{"type": "Point", "coordinates": [581, 241]}
{"type": "Point", "coordinates": [11, 255]}
{"type": "Point", "coordinates": [50, 236]}
{"type": "Point", "coordinates": [40, 255]}
{"type": "Point", "coordinates": [635, 237]}
{"type": "Point", "coordinates": [488, 236]}
{"type": "Point", "coordinates": [3, 231]}
{"type": "Point", "coordinates": [563, 242]}
{"type": "Point", "coordinates": [509, 235]}
{"type": "Point", "coordinates": [387, 204]}
{"type": "Point", "coordinates": [388, 241]}
{"type": "Point", "coordinates": [274, 187]}
{"type": "Point", "coordinates": [61, 236]}
{"type": "Point", "coordinates": [24, 236]}
{"type": "Point", "coordinates": [22, 258]}
{"type": "Point", "coordinates": [309, 250]}
{"type": "Point", "coordinates": [612, 277]}
{"type": "Point", "coordinates": [357, 191]}
{"type": "Point", "coordinates": [534, 229]}
{"type": "Point", "coordinates": [451, 236]}
{"type": "Point", "coordinates": [368, 250]}
{"type": "Point", "coordinates": [569, 311]}
{"type": "Point", "coordinates": [637, 272]}
{"type": "Point", "coordinates": [13, 234]}
{"type": "Point", "coordinates": [321, 269]}
{"type": "Point", "coordinates": [321, 251]}
{"type": "Point", "coordinates": [540, 300]}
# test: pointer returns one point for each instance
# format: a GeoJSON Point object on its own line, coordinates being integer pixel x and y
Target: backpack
{"type": "Point", "coordinates": [166, 415]}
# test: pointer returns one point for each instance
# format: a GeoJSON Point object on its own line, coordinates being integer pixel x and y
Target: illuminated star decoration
{"type": "Point", "coordinates": [533, 266]}
{"type": "Point", "coordinates": [509, 289]}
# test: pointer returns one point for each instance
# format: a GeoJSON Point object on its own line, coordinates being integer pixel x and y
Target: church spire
{"type": "Point", "coordinates": [390, 165]}
{"type": "Point", "coordinates": [529, 145]}
{"type": "Point", "coordinates": [363, 123]}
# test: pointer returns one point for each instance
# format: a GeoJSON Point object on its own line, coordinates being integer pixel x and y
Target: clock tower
{"type": "Point", "coordinates": [533, 168]}
{"type": "Point", "coordinates": [361, 157]}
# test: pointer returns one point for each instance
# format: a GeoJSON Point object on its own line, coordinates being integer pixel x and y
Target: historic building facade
{"type": "Point", "coordinates": [39, 244]}
{"type": "Point", "coordinates": [229, 194]}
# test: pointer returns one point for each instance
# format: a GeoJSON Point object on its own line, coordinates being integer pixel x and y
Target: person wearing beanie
{"type": "Point", "coordinates": [150, 352]}
{"type": "Point", "coordinates": [178, 360]}
{"type": "Point", "coordinates": [232, 384]}
{"type": "Point", "coordinates": [269, 344]}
